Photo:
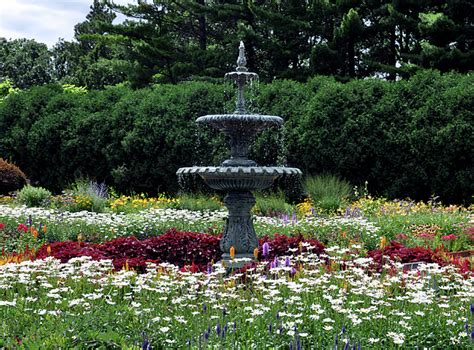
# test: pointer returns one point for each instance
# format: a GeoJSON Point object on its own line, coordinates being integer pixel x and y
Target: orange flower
{"type": "Point", "coordinates": [383, 242]}
{"type": "Point", "coordinates": [34, 232]}
{"type": "Point", "coordinates": [44, 229]}
{"type": "Point", "coordinates": [255, 253]}
{"type": "Point", "coordinates": [48, 250]}
{"type": "Point", "coordinates": [232, 252]}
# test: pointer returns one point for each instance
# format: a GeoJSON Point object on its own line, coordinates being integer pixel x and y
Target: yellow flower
{"type": "Point", "coordinates": [232, 252]}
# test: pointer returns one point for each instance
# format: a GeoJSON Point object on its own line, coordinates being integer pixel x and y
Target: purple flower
{"type": "Point", "coordinates": [270, 327]}
{"type": "Point", "coordinates": [287, 261]}
{"type": "Point", "coordinates": [209, 268]}
{"type": "Point", "coordinates": [266, 249]}
{"type": "Point", "coordinates": [294, 219]}
{"type": "Point", "coordinates": [145, 344]}
{"type": "Point", "coordinates": [204, 308]}
{"type": "Point", "coordinates": [472, 309]}
{"type": "Point", "coordinates": [292, 272]}
{"type": "Point", "coordinates": [347, 212]}
{"type": "Point", "coordinates": [276, 262]}
{"type": "Point", "coordinates": [206, 335]}
{"type": "Point", "coordinates": [218, 329]}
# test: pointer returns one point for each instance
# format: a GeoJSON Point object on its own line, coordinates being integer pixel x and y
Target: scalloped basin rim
{"type": "Point", "coordinates": [241, 117]}
{"type": "Point", "coordinates": [240, 170]}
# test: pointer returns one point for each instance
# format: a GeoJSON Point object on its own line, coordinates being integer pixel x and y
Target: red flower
{"type": "Point", "coordinates": [2, 225]}
{"type": "Point", "coordinates": [449, 237]}
{"type": "Point", "coordinates": [22, 227]}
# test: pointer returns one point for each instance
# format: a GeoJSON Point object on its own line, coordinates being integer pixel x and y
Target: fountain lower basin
{"type": "Point", "coordinates": [239, 178]}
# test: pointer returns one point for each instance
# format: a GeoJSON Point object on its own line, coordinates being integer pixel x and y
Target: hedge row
{"type": "Point", "coordinates": [407, 138]}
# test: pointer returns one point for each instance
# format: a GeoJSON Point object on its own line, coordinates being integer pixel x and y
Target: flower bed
{"type": "Point", "coordinates": [296, 303]}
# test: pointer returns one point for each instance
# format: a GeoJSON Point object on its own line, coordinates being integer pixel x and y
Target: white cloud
{"type": "Point", "coordinates": [43, 20]}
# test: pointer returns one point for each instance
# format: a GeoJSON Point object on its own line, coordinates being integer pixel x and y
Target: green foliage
{"type": "Point", "coordinates": [25, 62]}
{"type": "Point", "coordinates": [409, 138]}
{"type": "Point", "coordinates": [11, 177]}
{"type": "Point", "coordinates": [34, 196]}
{"type": "Point", "coordinates": [272, 204]}
{"type": "Point", "coordinates": [198, 202]}
{"type": "Point", "coordinates": [6, 88]}
{"type": "Point", "coordinates": [328, 192]}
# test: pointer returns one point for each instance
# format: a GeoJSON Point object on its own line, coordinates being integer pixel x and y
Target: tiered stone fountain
{"type": "Point", "coordinates": [238, 176]}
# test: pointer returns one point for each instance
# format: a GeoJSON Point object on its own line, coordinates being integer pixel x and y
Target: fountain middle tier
{"type": "Point", "coordinates": [239, 178]}
{"type": "Point", "coordinates": [240, 123]}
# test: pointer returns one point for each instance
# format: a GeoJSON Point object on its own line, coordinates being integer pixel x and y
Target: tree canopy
{"type": "Point", "coordinates": [178, 40]}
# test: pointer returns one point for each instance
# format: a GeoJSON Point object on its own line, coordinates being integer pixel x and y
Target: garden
{"type": "Point", "coordinates": [150, 198]}
{"type": "Point", "coordinates": [340, 269]}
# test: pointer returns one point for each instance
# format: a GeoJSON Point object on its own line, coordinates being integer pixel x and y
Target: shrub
{"type": "Point", "coordinates": [328, 191]}
{"type": "Point", "coordinates": [34, 196]}
{"type": "Point", "coordinates": [410, 138]}
{"type": "Point", "coordinates": [11, 177]}
{"type": "Point", "coordinates": [272, 204]}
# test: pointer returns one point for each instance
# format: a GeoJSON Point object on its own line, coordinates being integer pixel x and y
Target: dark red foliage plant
{"type": "Point", "coordinates": [398, 252]}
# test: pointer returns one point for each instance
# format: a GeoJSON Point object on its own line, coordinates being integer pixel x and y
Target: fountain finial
{"type": "Point", "coordinates": [241, 60]}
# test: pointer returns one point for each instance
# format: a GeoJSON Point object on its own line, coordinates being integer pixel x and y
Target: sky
{"type": "Point", "coordinates": [43, 20]}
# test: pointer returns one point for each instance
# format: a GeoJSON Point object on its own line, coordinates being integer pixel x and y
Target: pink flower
{"type": "Point", "coordinates": [2, 225]}
{"type": "Point", "coordinates": [449, 237]}
{"type": "Point", "coordinates": [22, 227]}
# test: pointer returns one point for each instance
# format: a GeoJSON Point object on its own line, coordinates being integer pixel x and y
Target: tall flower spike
{"type": "Point", "coordinates": [232, 252]}
{"type": "Point", "coordinates": [265, 249]}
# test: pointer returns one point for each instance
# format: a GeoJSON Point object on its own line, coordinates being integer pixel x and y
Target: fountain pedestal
{"type": "Point", "coordinates": [239, 232]}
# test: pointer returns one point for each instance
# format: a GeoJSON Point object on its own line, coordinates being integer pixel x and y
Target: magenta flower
{"type": "Point", "coordinates": [449, 237]}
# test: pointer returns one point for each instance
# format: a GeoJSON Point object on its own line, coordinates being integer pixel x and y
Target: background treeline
{"type": "Point", "coordinates": [172, 41]}
{"type": "Point", "coordinates": [412, 137]}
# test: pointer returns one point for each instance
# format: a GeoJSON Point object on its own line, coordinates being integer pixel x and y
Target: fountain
{"type": "Point", "coordinates": [238, 176]}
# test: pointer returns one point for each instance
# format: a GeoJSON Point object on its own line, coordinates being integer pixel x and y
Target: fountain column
{"type": "Point", "coordinates": [239, 232]}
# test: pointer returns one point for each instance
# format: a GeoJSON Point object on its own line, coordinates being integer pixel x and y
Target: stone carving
{"type": "Point", "coordinates": [238, 176]}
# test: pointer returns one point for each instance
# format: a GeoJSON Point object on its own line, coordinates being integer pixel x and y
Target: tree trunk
{"type": "Point", "coordinates": [392, 58]}
{"type": "Point", "coordinates": [202, 28]}
{"type": "Point", "coordinates": [351, 56]}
